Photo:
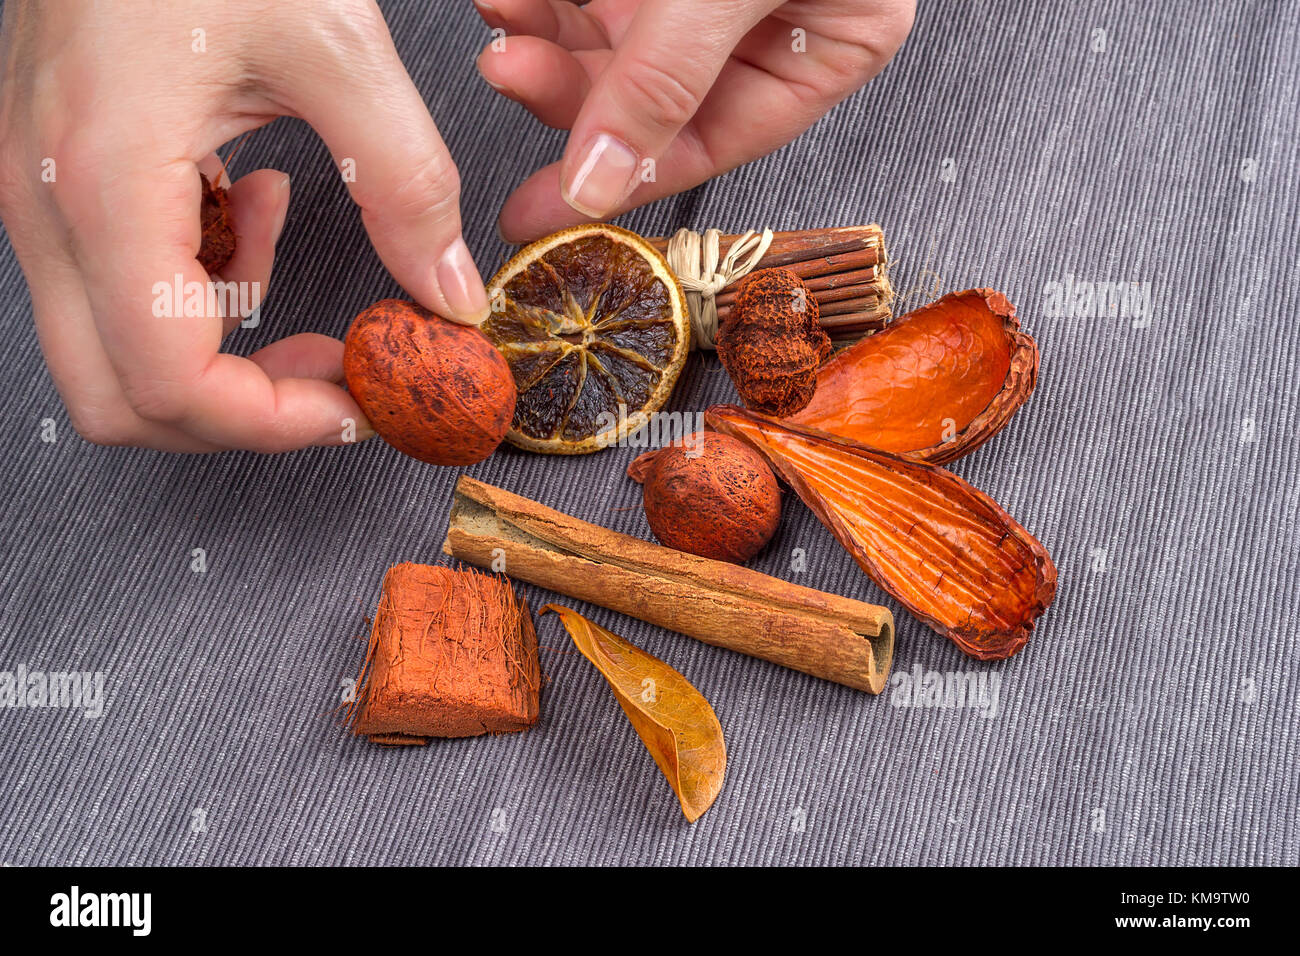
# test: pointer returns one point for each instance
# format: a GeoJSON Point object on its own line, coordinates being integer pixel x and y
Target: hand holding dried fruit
{"type": "Point", "coordinates": [151, 92]}
{"type": "Point", "coordinates": [433, 390]}
{"type": "Point", "coordinates": [709, 495]}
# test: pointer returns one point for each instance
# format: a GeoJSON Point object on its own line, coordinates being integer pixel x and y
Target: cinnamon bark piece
{"type": "Point", "coordinates": [822, 634]}
{"type": "Point", "coordinates": [451, 654]}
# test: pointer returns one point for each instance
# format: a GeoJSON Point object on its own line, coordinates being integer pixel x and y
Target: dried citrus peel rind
{"type": "Point", "coordinates": [933, 386]}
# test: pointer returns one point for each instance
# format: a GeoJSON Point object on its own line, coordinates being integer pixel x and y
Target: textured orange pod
{"type": "Point", "coordinates": [718, 498]}
{"type": "Point", "coordinates": [432, 389]}
{"type": "Point", "coordinates": [451, 654]}
{"type": "Point", "coordinates": [935, 385]}
{"type": "Point", "coordinates": [772, 342]}
{"type": "Point", "coordinates": [945, 550]}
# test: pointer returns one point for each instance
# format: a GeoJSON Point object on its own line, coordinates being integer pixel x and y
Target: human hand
{"type": "Point", "coordinates": [661, 95]}
{"type": "Point", "coordinates": [107, 112]}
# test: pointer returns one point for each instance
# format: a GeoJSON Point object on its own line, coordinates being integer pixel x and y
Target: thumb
{"type": "Point", "coordinates": [663, 68]}
{"type": "Point", "coordinates": [397, 169]}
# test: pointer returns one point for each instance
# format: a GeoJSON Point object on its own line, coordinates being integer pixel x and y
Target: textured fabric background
{"type": "Point", "coordinates": [1152, 719]}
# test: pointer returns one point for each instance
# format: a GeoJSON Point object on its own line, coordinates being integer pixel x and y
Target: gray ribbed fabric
{"type": "Point", "coordinates": [1152, 717]}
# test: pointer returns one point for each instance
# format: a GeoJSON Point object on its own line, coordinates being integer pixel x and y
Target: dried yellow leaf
{"type": "Point", "coordinates": [673, 719]}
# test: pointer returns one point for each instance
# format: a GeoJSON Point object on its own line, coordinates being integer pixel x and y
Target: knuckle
{"type": "Point", "coordinates": [347, 30]}
{"type": "Point", "coordinates": [879, 38]}
{"type": "Point", "coordinates": [860, 51]}
{"type": "Point", "coordinates": [843, 73]}
{"type": "Point", "coordinates": [889, 31]}
{"type": "Point", "coordinates": [431, 192]}
{"type": "Point", "coordinates": [78, 156]}
{"type": "Point", "coordinates": [103, 427]}
{"type": "Point", "coordinates": [156, 400]}
{"type": "Point", "coordinates": [343, 42]}
{"type": "Point", "coordinates": [656, 94]}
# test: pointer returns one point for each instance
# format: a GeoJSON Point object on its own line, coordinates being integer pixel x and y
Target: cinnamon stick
{"type": "Point", "coordinates": [799, 245]}
{"type": "Point", "coordinates": [828, 636]}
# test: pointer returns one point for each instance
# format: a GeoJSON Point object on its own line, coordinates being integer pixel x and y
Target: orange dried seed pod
{"type": "Point", "coordinates": [935, 385]}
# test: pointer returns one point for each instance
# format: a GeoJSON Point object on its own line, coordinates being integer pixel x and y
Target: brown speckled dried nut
{"type": "Point", "coordinates": [712, 496]}
{"type": "Point", "coordinates": [772, 342]}
{"type": "Point", "coordinates": [432, 389]}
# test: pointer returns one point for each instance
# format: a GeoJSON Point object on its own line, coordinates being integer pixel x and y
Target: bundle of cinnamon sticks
{"type": "Point", "coordinates": [845, 269]}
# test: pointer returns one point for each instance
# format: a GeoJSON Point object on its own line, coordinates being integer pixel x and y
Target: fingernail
{"type": "Point", "coordinates": [353, 431]}
{"type": "Point", "coordinates": [602, 178]}
{"type": "Point", "coordinates": [461, 285]}
{"type": "Point", "coordinates": [496, 86]}
{"type": "Point", "coordinates": [282, 196]}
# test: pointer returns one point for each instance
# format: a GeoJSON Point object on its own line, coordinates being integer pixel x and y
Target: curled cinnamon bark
{"type": "Point", "coordinates": [945, 550]}
{"type": "Point", "coordinates": [935, 385]}
{"type": "Point", "coordinates": [722, 604]}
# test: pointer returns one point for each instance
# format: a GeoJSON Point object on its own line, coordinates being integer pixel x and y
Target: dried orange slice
{"type": "Point", "coordinates": [593, 324]}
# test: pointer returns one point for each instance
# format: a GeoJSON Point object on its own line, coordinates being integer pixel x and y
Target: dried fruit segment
{"type": "Point", "coordinates": [671, 717]}
{"type": "Point", "coordinates": [945, 550]}
{"type": "Point", "coordinates": [593, 325]}
{"type": "Point", "coordinates": [935, 385]}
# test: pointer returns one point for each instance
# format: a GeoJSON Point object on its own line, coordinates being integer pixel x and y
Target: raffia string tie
{"type": "Point", "coordinates": [694, 258]}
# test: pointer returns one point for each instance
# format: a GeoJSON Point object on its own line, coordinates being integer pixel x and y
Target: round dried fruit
{"type": "Point", "coordinates": [711, 495]}
{"type": "Point", "coordinates": [593, 324]}
{"type": "Point", "coordinates": [772, 342]}
{"type": "Point", "coordinates": [433, 390]}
